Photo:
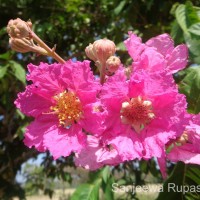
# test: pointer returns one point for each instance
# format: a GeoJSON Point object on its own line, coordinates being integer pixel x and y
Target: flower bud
{"type": "Point", "coordinates": [24, 45]}
{"type": "Point", "coordinates": [103, 49]}
{"type": "Point", "coordinates": [113, 63]}
{"type": "Point", "coordinates": [18, 28]}
{"type": "Point", "coordinates": [90, 53]}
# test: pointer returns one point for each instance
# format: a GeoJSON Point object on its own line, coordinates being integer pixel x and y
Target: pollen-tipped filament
{"type": "Point", "coordinates": [68, 108]}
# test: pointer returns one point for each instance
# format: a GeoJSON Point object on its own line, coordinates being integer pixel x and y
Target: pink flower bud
{"type": "Point", "coordinates": [113, 63]}
{"type": "Point", "coordinates": [103, 49]}
{"type": "Point", "coordinates": [90, 53]}
{"type": "Point", "coordinates": [18, 28]}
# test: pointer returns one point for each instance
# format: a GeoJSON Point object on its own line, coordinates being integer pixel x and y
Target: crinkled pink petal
{"type": "Point", "coordinates": [115, 86]}
{"type": "Point", "coordinates": [34, 135]}
{"type": "Point", "coordinates": [157, 54]}
{"type": "Point", "coordinates": [162, 165]}
{"type": "Point", "coordinates": [113, 93]}
{"type": "Point", "coordinates": [46, 79]}
{"type": "Point", "coordinates": [143, 83]}
{"type": "Point", "coordinates": [190, 151]}
{"type": "Point", "coordinates": [62, 142]}
{"type": "Point", "coordinates": [134, 46]}
{"type": "Point", "coordinates": [154, 141]}
{"type": "Point", "coordinates": [87, 157]}
{"type": "Point", "coordinates": [32, 104]}
{"type": "Point", "coordinates": [127, 145]}
{"type": "Point", "coordinates": [50, 80]}
{"type": "Point", "coordinates": [113, 122]}
{"type": "Point", "coordinates": [96, 155]}
{"type": "Point", "coordinates": [180, 117]}
{"type": "Point", "coordinates": [186, 156]}
{"type": "Point", "coordinates": [177, 59]}
{"type": "Point", "coordinates": [163, 43]}
{"type": "Point", "coordinates": [92, 120]}
{"type": "Point", "coordinates": [151, 60]}
{"type": "Point", "coordinates": [82, 80]}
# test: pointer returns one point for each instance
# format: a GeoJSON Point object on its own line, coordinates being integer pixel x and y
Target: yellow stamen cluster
{"type": "Point", "coordinates": [68, 108]}
{"type": "Point", "coordinates": [137, 112]}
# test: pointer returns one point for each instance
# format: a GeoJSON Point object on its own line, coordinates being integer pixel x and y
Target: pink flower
{"type": "Point", "coordinates": [97, 154]}
{"type": "Point", "coordinates": [142, 114]}
{"type": "Point", "coordinates": [157, 54]}
{"type": "Point", "coordinates": [186, 148]}
{"type": "Point", "coordinates": [62, 99]}
{"type": "Point", "coordinates": [183, 148]}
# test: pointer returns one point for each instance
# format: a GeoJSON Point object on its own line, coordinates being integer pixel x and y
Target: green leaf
{"type": "Point", "coordinates": [192, 16]}
{"type": "Point", "coordinates": [176, 32]}
{"type": "Point", "coordinates": [195, 29]}
{"type": "Point", "coordinates": [192, 179]}
{"type": "Point", "coordinates": [87, 192]}
{"type": "Point", "coordinates": [181, 17]}
{"type": "Point", "coordinates": [3, 31]}
{"type": "Point", "coordinates": [121, 46]}
{"type": "Point", "coordinates": [193, 42]}
{"type": "Point", "coordinates": [107, 189]}
{"type": "Point", "coordinates": [3, 70]}
{"type": "Point", "coordinates": [19, 71]}
{"type": "Point", "coordinates": [20, 114]}
{"type": "Point", "coordinates": [120, 7]}
{"type": "Point", "coordinates": [176, 179]}
{"type": "Point", "coordinates": [106, 174]}
{"type": "Point", "coordinates": [186, 16]}
{"type": "Point", "coordinates": [5, 56]}
{"type": "Point", "coordinates": [190, 86]}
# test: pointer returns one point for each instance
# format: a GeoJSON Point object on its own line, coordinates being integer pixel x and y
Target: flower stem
{"type": "Point", "coordinates": [102, 73]}
{"type": "Point", "coordinates": [50, 51]}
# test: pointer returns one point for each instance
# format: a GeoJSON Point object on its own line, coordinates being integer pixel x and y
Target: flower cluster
{"type": "Point", "coordinates": [116, 117]}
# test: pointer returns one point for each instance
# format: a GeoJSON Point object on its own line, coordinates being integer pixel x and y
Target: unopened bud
{"type": "Point", "coordinates": [24, 45]}
{"type": "Point", "coordinates": [18, 28]}
{"type": "Point", "coordinates": [90, 53]}
{"type": "Point", "coordinates": [103, 49]}
{"type": "Point", "coordinates": [113, 63]}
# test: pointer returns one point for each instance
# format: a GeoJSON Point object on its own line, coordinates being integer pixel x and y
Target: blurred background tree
{"type": "Point", "coordinates": [72, 25]}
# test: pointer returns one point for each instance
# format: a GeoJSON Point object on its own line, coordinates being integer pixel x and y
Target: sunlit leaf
{"type": "Point", "coordinates": [119, 8]}
{"type": "Point", "coordinates": [181, 17]}
{"type": "Point", "coordinates": [190, 86]}
{"type": "Point", "coordinates": [195, 29]}
{"type": "Point", "coordinates": [86, 192]}
{"type": "Point", "coordinates": [19, 71]}
{"type": "Point", "coordinates": [186, 16]}
{"type": "Point", "coordinates": [3, 70]}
